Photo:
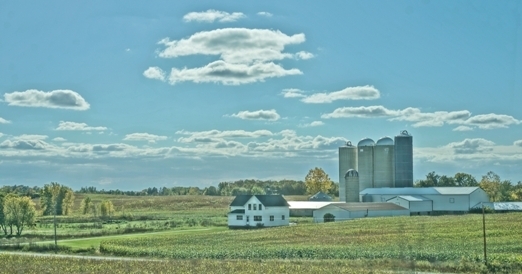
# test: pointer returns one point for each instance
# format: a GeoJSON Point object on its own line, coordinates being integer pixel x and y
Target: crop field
{"type": "Point", "coordinates": [419, 238]}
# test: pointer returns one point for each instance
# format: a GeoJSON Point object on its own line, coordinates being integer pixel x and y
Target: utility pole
{"type": "Point", "coordinates": [55, 240]}
{"type": "Point", "coordinates": [484, 232]}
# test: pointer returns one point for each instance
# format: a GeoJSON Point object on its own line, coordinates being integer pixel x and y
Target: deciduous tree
{"type": "Point", "coordinates": [86, 205]}
{"type": "Point", "coordinates": [19, 212]}
{"type": "Point", "coordinates": [317, 180]}
{"type": "Point", "coordinates": [106, 208]}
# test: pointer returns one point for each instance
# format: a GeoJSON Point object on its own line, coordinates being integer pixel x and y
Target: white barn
{"type": "Point", "coordinates": [349, 211]}
{"type": "Point", "coordinates": [443, 199]}
{"type": "Point", "coordinates": [258, 210]}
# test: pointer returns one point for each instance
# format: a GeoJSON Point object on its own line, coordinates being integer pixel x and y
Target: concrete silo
{"type": "Point", "coordinates": [404, 160]}
{"type": "Point", "coordinates": [347, 160]}
{"type": "Point", "coordinates": [351, 179]}
{"type": "Point", "coordinates": [383, 163]}
{"type": "Point", "coordinates": [365, 163]}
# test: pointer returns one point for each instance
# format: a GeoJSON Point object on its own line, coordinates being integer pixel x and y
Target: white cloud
{"type": "Point", "coordinates": [350, 93]}
{"type": "Point", "coordinates": [154, 73]}
{"type": "Point", "coordinates": [264, 13]}
{"type": "Point", "coordinates": [77, 126]}
{"type": "Point", "coordinates": [230, 74]}
{"type": "Point", "coordinates": [270, 115]}
{"type": "Point", "coordinates": [463, 128]}
{"type": "Point", "coordinates": [66, 99]}
{"type": "Point", "coordinates": [468, 146]}
{"type": "Point", "coordinates": [151, 138]}
{"type": "Point", "coordinates": [292, 93]}
{"type": "Point", "coordinates": [59, 139]}
{"type": "Point", "coordinates": [313, 124]}
{"type": "Point", "coordinates": [518, 143]}
{"type": "Point", "coordinates": [24, 144]}
{"type": "Point", "coordinates": [492, 121]}
{"type": "Point", "coordinates": [1, 135]}
{"type": "Point", "coordinates": [215, 135]}
{"type": "Point", "coordinates": [4, 121]}
{"type": "Point", "coordinates": [30, 137]}
{"type": "Point", "coordinates": [210, 16]}
{"type": "Point", "coordinates": [427, 119]}
{"type": "Point", "coordinates": [304, 55]}
{"type": "Point", "coordinates": [245, 56]}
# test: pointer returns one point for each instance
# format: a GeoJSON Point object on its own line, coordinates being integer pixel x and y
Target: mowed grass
{"type": "Point", "coordinates": [419, 238]}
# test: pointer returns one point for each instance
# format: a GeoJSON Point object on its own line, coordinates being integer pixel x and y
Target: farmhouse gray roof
{"type": "Point", "coordinates": [266, 200]}
{"type": "Point", "coordinates": [419, 191]}
{"type": "Point", "coordinates": [237, 211]}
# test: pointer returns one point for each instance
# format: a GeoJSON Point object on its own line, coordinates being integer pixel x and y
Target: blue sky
{"type": "Point", "coordinates": [182, 93]}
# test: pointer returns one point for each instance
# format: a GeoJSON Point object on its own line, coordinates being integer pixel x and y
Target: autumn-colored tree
{"type": "Point", "coordinates": [19, 212]}
{"type": "Point", "coordinates": [56, 199]}
{"type": "Point", "coordinates": [317, 180]}
{"type": "Point", "coordinates": [86, 205]}
{"type": "Point", "coordinates": [106, 208]}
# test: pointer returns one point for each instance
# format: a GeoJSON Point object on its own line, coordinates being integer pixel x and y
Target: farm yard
{"type": "Point", "coordinates": [191, 231]}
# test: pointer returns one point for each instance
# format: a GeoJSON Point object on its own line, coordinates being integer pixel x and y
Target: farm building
{"type": "Point", "coordinates": [502, 206]}
{"type": "Point", "coordinates": [347, 211]}
{"type": "Point", "coordinates": [320, 196]}
{"type": "Point", "coordinates": [443, 199]}
{"type": "Point", "coordinates": [306, 208]}
{"type": "Point", "coordinates": [258, 210]}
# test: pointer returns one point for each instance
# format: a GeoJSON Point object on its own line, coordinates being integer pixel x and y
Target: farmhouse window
{"type": "Point", "coordinates": [249, 207]}
{"type": "Point", "coordinates": [258, 218]}
{"type": "Point", "coordinates": [255, 207]}
{"type": "Point", "coordinates": [260, 207]}
{"type": "Point", "coordinates": [452, 200]}
{"type": "Point", "coordinates": [283, 217]}
{"type": "Point", "coordinates": [239, 217]}
{"type": "Point", "coordinates": [248, 219]}
{"type": "Point", "coordinates": [272, 218]}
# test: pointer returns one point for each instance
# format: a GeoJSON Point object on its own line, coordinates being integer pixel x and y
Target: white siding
{"type": "Point", "coordinates": [264, 213]}
{"type": "Point", "coordinates": [232, 220]}
{"type": "Point", "coordinates": [340, 214]}
{"type": "Point", "coordinates": [478, 196]}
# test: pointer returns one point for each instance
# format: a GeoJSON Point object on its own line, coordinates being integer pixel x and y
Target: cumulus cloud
{"type": "Point", "coordinates": [210, 16]}
{"type": "Point", "coordinates": [77, 126]}
{"type": "Point", "coordinates": [313, 124]}
{"type": "Point", "coordinates": [463, 128]}
{"type": "Point", "coordinates": [245, 55]}
{"type": "Point", "coordinates": [230, 74]}
{"type": "Point", "coordinates": [492, 120]}
{"type": "Point", "coordinates": [154, 73]}
{"type": "Point", "coordinates": [304, 55]}
{"type": "Point", "coordinates": [264, 13]}
{"type": "Point", "coordinates": [292, 93]}
{"type": "Point", "coordinates": [65, 99]}
{"type": "Point", "coordinates": [468, 146]}
{"type": "Point", "coordinates": [24, 144]}
{"type": "Point", "coordinates": [59, 139]}
{"type": "Point", "coordinates": [151, 138]}
{"type": "Point", "coordinates": [4, 121]}
{"type": "Point", "coordinates": [427, 119]}
{"type": "Point", "coordinates": [214, 135]}
{"type": "Point", "coordinates": [350, 93]}
{"type": "Point", "coordinates": [270, 115]}
{"type": "Point", "coordinates": [518, 143]}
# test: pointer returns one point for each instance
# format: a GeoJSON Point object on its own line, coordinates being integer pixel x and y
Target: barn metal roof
{"type": "Point", "coordinates": [368, 206]}
{"type": "Point", "coordinates": [515, 206]}
{"type": "Point", "coordinates": [308, 205]}
{"type": "Point", "coordinates": [419, 191]}
{"type": "Point", "coordinates": [413, 198]}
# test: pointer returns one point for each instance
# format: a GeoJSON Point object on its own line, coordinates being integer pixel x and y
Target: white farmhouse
{"type": "Point", "coordinates": [420, 199]}
{"type": "Point", "coordinates": [258, 210]}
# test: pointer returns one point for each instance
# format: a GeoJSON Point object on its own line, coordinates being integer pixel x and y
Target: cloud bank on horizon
{"type": "Point", "coordinates": [245, 94]}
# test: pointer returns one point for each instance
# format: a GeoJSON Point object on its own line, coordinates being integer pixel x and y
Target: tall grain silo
{"type": "Point", "coordinates": [351, 179]}
{"type": "Point", "coordinates": [347, 160]}
{"type": "Point", "coordinates": [383, 163]}
{"type": "Point", "coordinates": [365, 163]}
{"type": "Point", "coordinates": [404, 160]}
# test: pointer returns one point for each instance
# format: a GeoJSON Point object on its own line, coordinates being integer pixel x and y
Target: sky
{"type": "Point", "coordinates": [135, 94]}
